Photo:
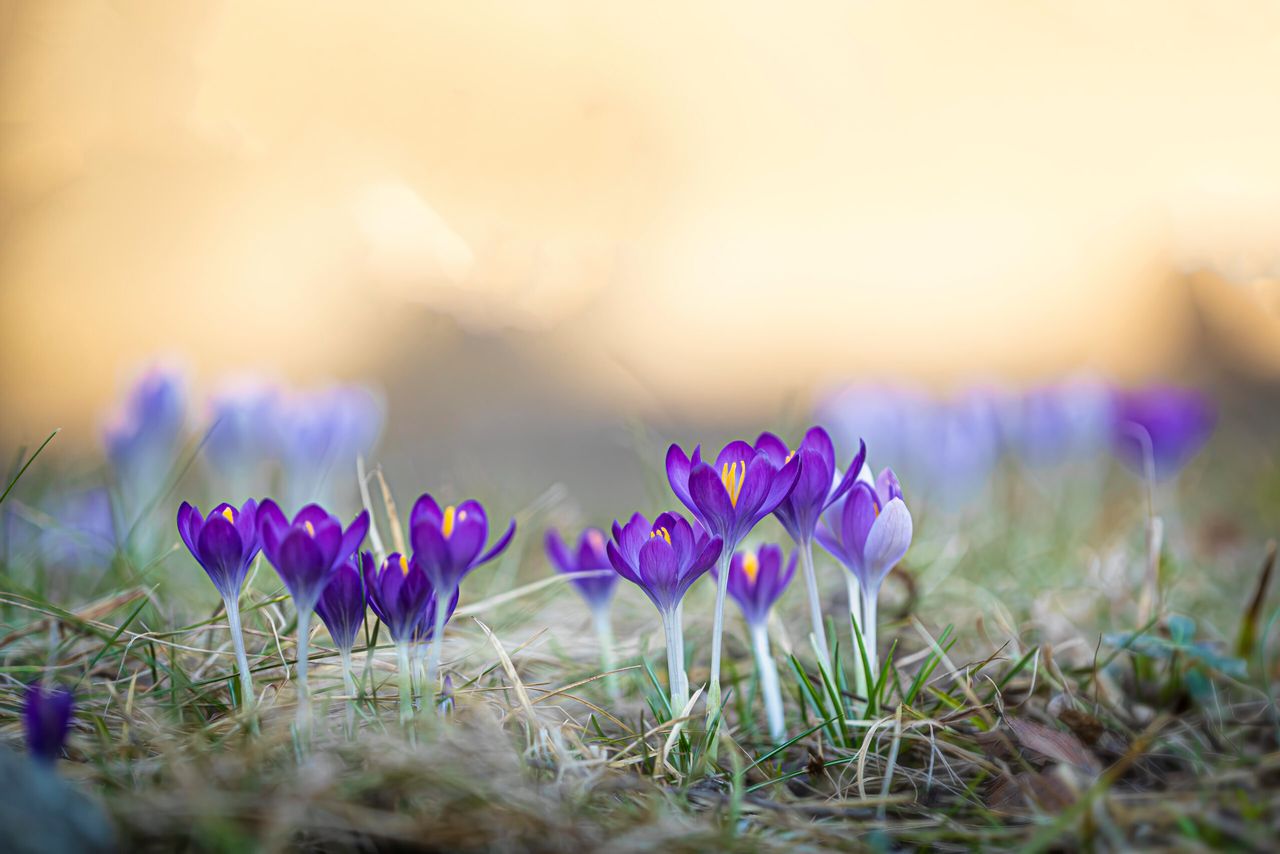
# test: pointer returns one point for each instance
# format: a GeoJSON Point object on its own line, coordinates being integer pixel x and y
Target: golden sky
{"type": "Point", "coordinates": [702, 202]}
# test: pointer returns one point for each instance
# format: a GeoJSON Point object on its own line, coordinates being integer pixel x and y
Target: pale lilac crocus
{"type": "Point", "coordinates": [588, 569]}
{"type": "Point", "coordinates": [869, 532]}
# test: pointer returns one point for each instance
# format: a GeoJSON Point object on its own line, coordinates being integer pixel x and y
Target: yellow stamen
{"type": "Point", "coordinates": [310, 530]}
{"type": "Point", "coordinates": [661, 532]}
{"type": "Point", "coordinates": [750, 566]}
{"type": "Point", "coordinates": [450, 516]}
{"type": "Point", "coordinates": [595, 539]}
{"type": "Point", "coordinates": [789, 456]}
{"type": "Point", "coordinates": [732, 476]}
{"type": "Point", "coordinates": [229, 515]}
{"type": "Point", "coordinates": [404, 565]}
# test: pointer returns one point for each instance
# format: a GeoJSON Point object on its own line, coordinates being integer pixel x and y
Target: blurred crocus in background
{"type": "Point", "coordinates": [756, 581]}
{"type": "Point", "coordinates": [869, 532]}
{"type": "Point", "coordinates": [46, 717]}
{"type": "Point", "coordinates": [729, 500]}
{"type": "Point", "coordinates": [142, 438]}
{"type": "Point", "coordinates": [1068, 421]}
{"type": "Point", "coordinates": [589, 570]}
{"type": "Point", "coordinates": [319, 434]}
{"type": "Point", "coordinates": [1159, 428]}
{"type": "Point", "coordinates": [225, 545]}
{"type": "Point", "coordinates": [817, 488]}
{"type": "Point", "coordinates": [305, 553]}
{"type": "Point", "coordinates": [242, 440]}
{"type": "Point", "coordinates": [664, 559]}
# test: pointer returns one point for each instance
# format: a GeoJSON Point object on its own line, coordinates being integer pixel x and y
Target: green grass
{"type": "Point", "coordinates": [1023, 702]}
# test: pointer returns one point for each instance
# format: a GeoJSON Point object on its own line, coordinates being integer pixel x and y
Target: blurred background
{"type": "Point", "coordinates": [538, 241]}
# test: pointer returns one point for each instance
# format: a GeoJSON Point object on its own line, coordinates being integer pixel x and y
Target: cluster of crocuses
{"type": "Point", "coordinates": [862, 521]}
{"type": "Point", "coordinates": [326, 573]}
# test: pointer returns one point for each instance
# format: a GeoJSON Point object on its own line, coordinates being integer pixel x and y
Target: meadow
{"type": "Point", "coordinates": [1051, 629]}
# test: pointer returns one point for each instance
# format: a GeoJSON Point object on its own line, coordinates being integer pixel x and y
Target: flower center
{"type": "Point", "coordinates": [404, 565]}
{"type": "Point", "coordinates": [661, 532]}
{"type": "Point", "coordinates": [451, 518]}
{"type": "Point", "coordinates": [789, 456]}
{"type": "Point", "coordinates": [750, 566]}
{"type": "Point", "coordinates": [311, 531]}
{"type": "Point", "coordinates": [229, 515]}
{"type": "Point", "coordinates": [732, 475]}
{"type": "Point", "coordinates": [594, 538]}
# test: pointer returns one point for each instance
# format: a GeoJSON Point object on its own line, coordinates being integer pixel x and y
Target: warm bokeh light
{"type": "Point", "coordinates": [649, 207]}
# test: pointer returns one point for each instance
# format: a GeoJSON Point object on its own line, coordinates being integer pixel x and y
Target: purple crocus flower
{"type": "Point", "coordinates": [757, 579]}
{"type": "Point", "coordinates": [321, 432]}
{"type": "Point", "coordinates": [1171, 423]}
{"type": "Point", "coordinates": [47, 716]}
{"type": "Point", "coordinates": [745, 485]}
{"type": "Point", "coordinates": [402, 597]}
{"type": "Point", "coordinates": [589, 557]}
{"type": "Point", "coordinates": [306, 551]}
{"type": "Point", "coordinates": [224, 544]}
{"type": "Point", "coordinates": [243, 434]}
{"type": "Point", "coordinates": [342, 604]}
{"type": "Point", "coordinates": [449, 543]}
{"type": "Point", "coordinates": [871, 531]}
{"type": "Point", "coordinates": [817, 487]}
{"type": "Point", "coordinates": [663, 559]}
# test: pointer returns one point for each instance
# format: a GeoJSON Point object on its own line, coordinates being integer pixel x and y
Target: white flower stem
{"type": "Point", "coordinates": [772, 694]}
{"type": "Point", "coordinates": [678, 693]}
{"type": "Point", "coordinates": [406, 682]}
{"type": "Point", "coordinates": [304, 690]}
{"type": "Point", "coordinates": [854, 587]}
{"type": "Point", "coordinates": [604, 634]}
{"type": "Point", "coordinates": [433, 651]}
{"type": "Point", "coordinates": [349, 685]}
{"type": "Point", "coordinates": [870, 606]}
{"type": "Point", "coordinates": [717, 633]}
{"type": "Point", "coordinates": [815, 603]}
{"type": "Point", "coordinates": [232, 607]}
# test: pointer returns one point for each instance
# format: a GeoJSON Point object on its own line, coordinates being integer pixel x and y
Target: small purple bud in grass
{"type": "Point", "coordinates": [590, 557]}
{"type": "Point", "coordinates": [1171, 424]}
{"type": "Point", "coordinates": [224, 544]}
{"type": "Point", "coordinates": [47, 717]}
{"type": "Point", "coordinates": [449, 542]}
{"type": "Point", "coordinates": [757, 579]}
{"type": "Point", "coordinates": [342, 604]}
{"type": "Point", "coordinates": [143, 435]}
{"type": "Point", "coordinates": [663, 559]}
{"type": "Point", "coordinates": [306, 551]}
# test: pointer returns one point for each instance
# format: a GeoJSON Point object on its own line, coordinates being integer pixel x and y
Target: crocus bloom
{"type": "Point", "coordinates": [664, 559]}
{"type": "Point", "coordinates": [402, 597]}
{"type": "Point", "coordinates": [305, 553]}
{"type": "Point", "coordinates": [85, 534]}
{"type": "Point", "coordinates": [869, 533]}
{"type": "Point", "coordinates": [243, 434]}
{"type": "Point", "coordinates": [143, 436]}
{"type": "Point", "coordinates": [342, 604]}
{"type": "Point", "coordinates": [818, 487]}
{"type": "Point", "coordinates": [756, 580]}
{"type": "Point", "coordinates": [449, 543]}
{"type": "Point", "coordinates": [583, 565]}
{"type": "Point", "coordinates": [47, 717]}
{"type": "Point", "coordinates": [729, 500]}
{"type": "Point", "coordinates": [225, 545]}
{"type": "Point", "coordinates": [1169, 423]}
{"type": "Point", "coordinates": [590, 572]}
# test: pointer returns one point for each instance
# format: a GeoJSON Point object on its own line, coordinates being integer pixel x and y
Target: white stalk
{"type": "Point", "coordinates": [675, 655]}
{"type": "Point", "coordinates": [717, 631]}
{"type": "Point", "coordinates": [304, 690]}
{"type": "Point", "coordinates": [870, 606]}
{"type": "Point", "coordinates": [406, 682]}
{"type": "Point", "coordinates": [815, 604]}
{"type": "Point", "coordinates": [232, 607]}
{"type": "Point", "coordinates": [349, 685]}
{"type": "Point", "coordinates": [604, 634]}
{"type": "Point", "coordinates": [858, 620]}
{"type": "Point", "coordinates": [433, 651]}
{"type": "Point", "coordinates": [772, 694]}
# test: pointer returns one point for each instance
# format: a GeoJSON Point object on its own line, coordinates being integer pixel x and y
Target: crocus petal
{"type": "Point", "coordinates": [711, 500]}
{"type": "Point", "coordinates": [425, 509]}
{"type": "Point", "coordinates": [831, 543]}
{"type": "Point", "coordinates": [844, 484]}
{"type": "Point", "coordinates": [774, 448]}
{"type": "Point", "coordinates": [303, 568]}
{"type": "Point", "coordinates": [221, 553]}
{"type": "Point", "coordinates": [558, 552]}
{"type": "Point", "coordinates": [500, 546]}
{"type": "Point", "coordinates": [660, 571]}
{"type": "Point", "coordinates": [887, 486]}
{"type": "Point", "coordinates": [888, 541]}
{"type": "Point", "coordinates": [678, 468]}
{"type": "Point", "coordinates": [781, 486]}
{"type": "Point", "coordinates": [621, 566]}
{"type": "Point", "coordinates": [733, 453]}
{"type": "Point", "coordinates": [353, 537]}
{"type": "Point", "coordinates": [470, 530]}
